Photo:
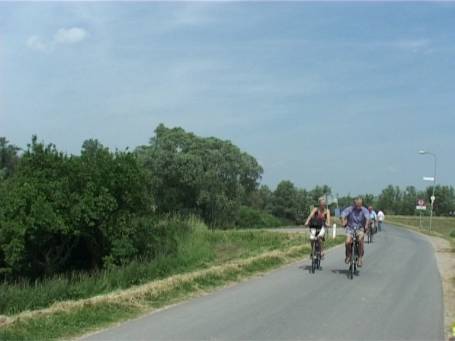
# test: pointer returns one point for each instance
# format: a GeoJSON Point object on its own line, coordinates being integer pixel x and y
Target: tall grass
{"type": "Point", "coordinates": [201, 249]}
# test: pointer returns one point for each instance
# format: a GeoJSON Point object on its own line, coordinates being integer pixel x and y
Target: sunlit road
{"type": "Point", "coordinates": [397, 296]}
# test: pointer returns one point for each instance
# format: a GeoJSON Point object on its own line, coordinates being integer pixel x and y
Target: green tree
{"type": "Point", "coordinates": [390, 200]}
{"type": "Point", "coordinates": [206, 176]}
{"type": "Point", "coordinates": [304, 202]}
{"type": "Point", "coordinates": [445, 199]}
{"type": "Point", "coordinates": [285, 201]}
{"type": "Point", "coordinates": [8, 158]}
{"type": "Point", "coordinates": [60, 212]}
{"type": "Point", "coordinates": [345, 201]}
{"type": "Point", "coordinates": [260, 199]}
{"type": "Point", "coordinates": [407, 206]}
{"type": "Point", "coordinates": [369, 200]}
{"type": "Point", "coordinates": [318, 192]}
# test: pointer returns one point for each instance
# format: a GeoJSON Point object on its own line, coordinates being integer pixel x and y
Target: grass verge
{"type": "Point", "coordinates": [443, 227]}
{"type": "Point", "coordinates": [75, 317]}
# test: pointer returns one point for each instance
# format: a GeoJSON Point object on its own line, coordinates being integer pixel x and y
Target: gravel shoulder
{"type": "Point", "coordinates": [445, 258]}
{"type": "Point", "coordinates": [446, 264]}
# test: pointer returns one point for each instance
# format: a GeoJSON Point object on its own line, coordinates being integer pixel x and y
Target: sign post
{"type": "Point", "coordinates": [421, 206]}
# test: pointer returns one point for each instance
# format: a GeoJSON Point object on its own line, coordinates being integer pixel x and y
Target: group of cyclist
{"type": "Point", "coordinates": [356, 219]}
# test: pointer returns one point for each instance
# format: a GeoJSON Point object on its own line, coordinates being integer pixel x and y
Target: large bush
{"type": "Point", "coordinates": [60, 212]}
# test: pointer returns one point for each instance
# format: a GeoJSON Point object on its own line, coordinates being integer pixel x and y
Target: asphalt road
{"type": "Point", "coordinates": [397, 296]}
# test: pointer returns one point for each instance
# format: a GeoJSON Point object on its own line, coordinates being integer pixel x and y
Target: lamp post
{"type": "Point", "coordinates": [424, 152]}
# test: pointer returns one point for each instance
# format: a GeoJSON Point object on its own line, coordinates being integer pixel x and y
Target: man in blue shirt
{"type": "Point", "coordinates": [355, 218]}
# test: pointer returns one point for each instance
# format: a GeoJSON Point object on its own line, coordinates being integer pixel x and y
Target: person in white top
{"type": "Point", "coordinates": [381, 218]}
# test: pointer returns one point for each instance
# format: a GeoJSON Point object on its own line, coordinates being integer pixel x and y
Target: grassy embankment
{"type": "Point", "coordinates": [67, 307]}
{"type": "Point", "coordinates": [443, 227]}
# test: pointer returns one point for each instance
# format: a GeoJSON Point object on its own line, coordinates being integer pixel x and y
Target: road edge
{"type": "Point", "coordinates": [446, 267]}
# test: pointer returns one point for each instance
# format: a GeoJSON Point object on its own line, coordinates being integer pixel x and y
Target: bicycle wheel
{"type": "Point", "coordinates": [356, 258]}
{"type": "Point", "coordinates": [351, 263]}
{"type": "Point", "coordinates": [312, 258]}
{"type": "Point", "coordinates": [318, 254]}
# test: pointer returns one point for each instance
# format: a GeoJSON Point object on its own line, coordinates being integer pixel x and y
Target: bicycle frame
{"type": "Point", "coordinates": [315, 254]}
{"type": "Point", "coordinates": [354, 255]}
{"type": "Point", "coordinates": [370, 231]}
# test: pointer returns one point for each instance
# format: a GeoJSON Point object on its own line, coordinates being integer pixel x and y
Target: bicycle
{"type": "Point", "coordinates": [354, 256]}
{"type": "Point", "coordinates": [316, 254]}
{"type": "Point", "coordinates": [375, 227]}
{"type": "Point", "coordinates": [370, 233]}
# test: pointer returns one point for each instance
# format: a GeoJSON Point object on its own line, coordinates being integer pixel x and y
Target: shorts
{"type": "Point", "coordinates": [313, 233]}
{"type": "Point", "coordinates": [358, 232]}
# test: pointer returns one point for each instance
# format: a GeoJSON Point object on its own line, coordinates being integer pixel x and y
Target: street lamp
{"type": "Point", "coordinates": [424, 152]}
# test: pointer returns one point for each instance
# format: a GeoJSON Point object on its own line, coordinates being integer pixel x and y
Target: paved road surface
{"type": "Point", "coordinates": [397, 296]}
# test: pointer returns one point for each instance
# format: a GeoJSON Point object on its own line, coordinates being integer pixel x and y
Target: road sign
{"type": "Point", "coordinates": [421, 205]}
{"type": "Point", "coordinates": [432, 199]}
{"type": "Point", "coordinates": [428, 178]}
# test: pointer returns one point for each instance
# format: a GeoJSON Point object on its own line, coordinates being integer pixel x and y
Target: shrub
{"type": "Point", "coordinates": [253, 218]}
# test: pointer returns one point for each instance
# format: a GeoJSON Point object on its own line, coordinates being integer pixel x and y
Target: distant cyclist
{"type": "Point", "coordinates": [373, 218]}
{"type": "Point", "coordinates": [317, 220]}
{"type": "Point", "coordinates": [381, 218]}
{"type": "Point", "coordinates": [355, 218]}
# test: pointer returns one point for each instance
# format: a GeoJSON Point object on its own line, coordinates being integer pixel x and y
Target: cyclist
{"type": "Point", "coordinates": [381, 218]}
{"type": "Point", "coordinates": [373, 218]}
{"type": "Point", "coordinates": [317, 220]}
{"type": "Point", "coordinates": [355, 218]}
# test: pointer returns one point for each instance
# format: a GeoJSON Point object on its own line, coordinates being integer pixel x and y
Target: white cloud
{"type": "Point", "coordinates": [71, 35]}
{"type": "Point", "coordinates": [36, 43]}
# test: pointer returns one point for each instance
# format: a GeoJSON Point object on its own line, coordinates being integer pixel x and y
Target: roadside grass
{"type": "Point", "coordinates": [75, 317]}
{"type": "Point", "coordinates": [202, 249]}
{"type": "Point", "coordinates": [443, 227]}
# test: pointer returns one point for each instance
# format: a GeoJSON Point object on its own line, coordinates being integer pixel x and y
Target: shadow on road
{"type": "Point", "coordinates": [343, 272]}
{"type": "Point", "coordinates": [308, 268]}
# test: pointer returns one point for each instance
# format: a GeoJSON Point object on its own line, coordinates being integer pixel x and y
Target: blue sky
{"type": "Point", "coordinates": [336, 93]}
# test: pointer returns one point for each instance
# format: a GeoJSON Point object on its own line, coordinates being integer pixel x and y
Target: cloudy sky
{"type": "Point", "coordinates": [336, 93]}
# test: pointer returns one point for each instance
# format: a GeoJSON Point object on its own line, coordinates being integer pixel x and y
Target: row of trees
{"type": "Point", "coordinates": [60, 212]}
{"type": "Point", "coordinates": [287, 201]}
{"type": "Point", "coordinates": [395, 200]}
